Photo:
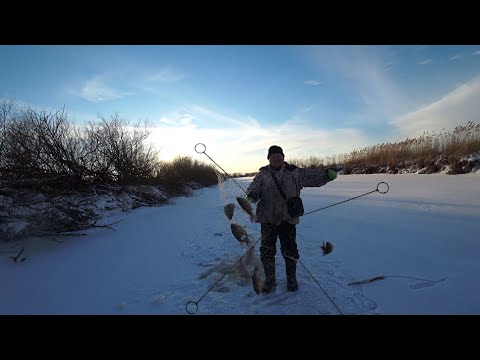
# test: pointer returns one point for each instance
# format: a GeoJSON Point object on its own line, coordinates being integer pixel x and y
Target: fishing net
{"type": "Point", "coordinates": [229, 191]}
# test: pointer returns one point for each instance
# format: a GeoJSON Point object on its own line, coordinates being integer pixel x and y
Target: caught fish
{"type": "Point", "coordinates": [327, 248]}
{"type": "Point", "coordinates": [240, 233]}
{"type": "Point", "coordinates": [245, 204]}
{"type": "Point", "coordinates": [242, 272]}
{"type": "Point", "coordinates": [249, 257]}
{"type": "Point", "coordinates": [228, 209]}
{"type": "Point", "coordinates": [257, 280]}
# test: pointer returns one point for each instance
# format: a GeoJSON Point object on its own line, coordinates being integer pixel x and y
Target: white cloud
{"type": "Point", "coordinates": [389, 64]}
{"type": "Point", "coordinates": [456, 57]}
{"type": "Point", "coordinates": [96, 90]}
{"type": "Point", "coordinates": [166, 75]}
{"type": "Point", "coordinates": [306, 109]}
{"type": "Point", "coordinates": [425, 62]}
{"type": "Point", "coordinates": [455, 108]}
{"type": "Point", "coordinates": [178, 118]}
{"type": "Point", "coordinates": [312, 82]}
{"type": "Point", "coordinates": [362, 76]}
{"type": "Point", "coordinates": [422, 47]}
{"type": "Point", "coordinates": [208, 116]}
{"type": "Point", "coordinates": [477, 52]}
{"type": "Point", "coordinates": [242, 145]}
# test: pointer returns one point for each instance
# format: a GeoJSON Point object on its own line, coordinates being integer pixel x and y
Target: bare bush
{"type": "Point", "coordinates": [184, 173]}
{"type": "Point", "coordinates": [45, 159]}
{"type": "Point", "coordinates": [41, 151]}
{"type": "Point", "coordinates": [121, 155]}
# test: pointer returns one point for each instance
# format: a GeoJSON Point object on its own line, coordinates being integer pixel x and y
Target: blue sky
{"type": "Point", "coordinates": [239, 100]}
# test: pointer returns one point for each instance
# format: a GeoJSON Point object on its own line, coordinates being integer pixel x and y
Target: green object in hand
{"type": "Point", "coordinates": [331, 174]}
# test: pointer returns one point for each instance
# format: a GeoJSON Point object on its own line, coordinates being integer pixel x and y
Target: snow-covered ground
{"type": "Point", "coordinates": [423, 236]}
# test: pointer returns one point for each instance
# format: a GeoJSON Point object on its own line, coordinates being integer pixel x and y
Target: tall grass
{"type": "Point", "coordinates": [421, 151]}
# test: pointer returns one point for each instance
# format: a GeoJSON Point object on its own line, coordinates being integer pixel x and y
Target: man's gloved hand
{"type": "Point", "coordinates": [252, 196]}
{"type": "Point", "coordinates": [331, 174]}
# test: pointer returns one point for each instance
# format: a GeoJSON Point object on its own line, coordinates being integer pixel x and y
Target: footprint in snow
{"type": "Point", "coordinates": [159, 299]}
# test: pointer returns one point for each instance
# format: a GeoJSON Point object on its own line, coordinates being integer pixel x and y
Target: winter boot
{"type": "Point", "coordinates": [270, 280]}
{"type": "Point", "coordinates": [291, 269]}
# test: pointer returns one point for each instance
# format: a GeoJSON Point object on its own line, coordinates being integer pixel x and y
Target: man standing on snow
{"type": "Point", "coordinates": [273, 187]}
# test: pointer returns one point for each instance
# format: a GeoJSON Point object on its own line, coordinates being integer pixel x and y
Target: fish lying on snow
{"type": "Point", "coordinates": [327, 248]}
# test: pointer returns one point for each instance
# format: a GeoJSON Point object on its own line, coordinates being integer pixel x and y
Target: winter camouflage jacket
{"type": "Point", "coordinates": [272, 208]}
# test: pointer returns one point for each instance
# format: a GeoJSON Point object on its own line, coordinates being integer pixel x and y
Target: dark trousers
{"type": "Point", "coordinates": [287, 234]}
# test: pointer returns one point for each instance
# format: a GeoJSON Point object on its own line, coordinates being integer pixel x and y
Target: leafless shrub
{"type": "Point", "coordinates": [121, 155]}
{"type": "Point", "coordinates": [45, 160]}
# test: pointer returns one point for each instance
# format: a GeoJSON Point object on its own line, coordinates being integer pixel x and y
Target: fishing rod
{"type": "Point", "coordinates": [204, 152]}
